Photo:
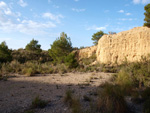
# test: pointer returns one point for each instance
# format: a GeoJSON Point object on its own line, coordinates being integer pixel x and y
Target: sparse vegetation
{"type": "Point", "coordinates": [86, 98]}
{"type": "Point", "coordinates": [97, 36]}
{"type": "Point", "coordinates": [111, 100]}
{"type": "Point", "coordinates": [147, 17]}
{"type": "Point", "coordinates": [38, 103]}
{"type": "Point", "coordinates": [73, 102]}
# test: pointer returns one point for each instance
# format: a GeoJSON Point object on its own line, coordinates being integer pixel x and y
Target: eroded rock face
{"type": "Point", "coordinates": [127, 45]}
{"type": "Point", "coordinates": [86, 52]}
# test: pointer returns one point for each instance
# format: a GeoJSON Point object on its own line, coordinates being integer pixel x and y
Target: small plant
{"type": "Point", "coordinates": [86, 98]}
{"type": "Point", "coordinates": [76, 106]}
{"type": "Point", "coordinates": [38, 103]}
{"type": "Point", "coordinates": [68, 97]}
{"type": "Point", "coordinates": [74, 103]}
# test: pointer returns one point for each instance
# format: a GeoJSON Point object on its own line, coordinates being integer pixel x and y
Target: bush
{"type": "Point", "coordinates": [68, 97]}
{"type": "Point", "coordinates": [38, 103]}
{"type": "Point", "coordinates": [74, 103]}
{"type": "Point", "coordinates": [70, 61]}
{"type": "Point", "coordinates": [124, 78]}
{"type": "Point", "coordinates": [24, 56]}
{"type": "Point", "coordinates": [136, 74]}
{"type": "Point", "coordinates": [30, 68]}
{"type": "Point", "coordinates": [111, 100]}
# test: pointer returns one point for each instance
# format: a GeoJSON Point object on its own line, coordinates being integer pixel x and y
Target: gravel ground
{"type": "Point", "coordinates": [17, 93]}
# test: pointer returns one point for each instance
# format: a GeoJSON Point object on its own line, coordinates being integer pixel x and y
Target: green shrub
{"type": "Point", "coordinates": [16, 66]}
{"type": "Point", "coordinates": [124, 78]}
{"type": "Point", "coordinates": [6, 69]}
{"type": "Point", "coordinates": [38, 103]}
{"type": "Point", "coordinates": [136, 73]}
{"type": "Point", "coordinates": [70, 61]}
{"type": "Point", "coordinates": [23, 56]}
{"type": "Point", "coordinates": [111, 100]}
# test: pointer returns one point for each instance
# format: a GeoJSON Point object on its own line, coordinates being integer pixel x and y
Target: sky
{"type": "Point", "coordinates": [44, 20]}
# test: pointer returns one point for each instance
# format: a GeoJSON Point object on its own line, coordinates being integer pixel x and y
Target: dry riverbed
{"type": "Point", "coordinates": [17, 93]}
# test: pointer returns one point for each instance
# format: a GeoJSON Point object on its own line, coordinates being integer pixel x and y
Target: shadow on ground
{"type": "Point", "coordinates": [16, 95]}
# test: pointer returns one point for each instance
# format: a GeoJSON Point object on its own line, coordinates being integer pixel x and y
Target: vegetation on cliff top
{"type": "Point", "coordinates": [147, 15]}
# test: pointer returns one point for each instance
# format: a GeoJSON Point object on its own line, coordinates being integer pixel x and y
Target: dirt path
{"type": "Point", "coordinates": [16, 94]}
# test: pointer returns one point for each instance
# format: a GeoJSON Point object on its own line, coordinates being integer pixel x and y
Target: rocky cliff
{"type": "Point", "coordinates": [86, 52]}
{"type": "Point", "coordinates": [129, 45]}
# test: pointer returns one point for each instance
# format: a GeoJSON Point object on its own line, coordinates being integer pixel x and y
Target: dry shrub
{"type": "Point", "coordinates": [111, 100]}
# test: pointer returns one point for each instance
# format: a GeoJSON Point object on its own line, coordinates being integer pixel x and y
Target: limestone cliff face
{"type": "Point", "coordinates": [129, 45]}
{"type": "Point", "coordinates": [86, 52]}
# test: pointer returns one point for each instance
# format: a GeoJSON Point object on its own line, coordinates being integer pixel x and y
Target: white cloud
{"type": "Point", "coordinates": [11, 22]}
{"type": "Point", "coordinates": [78, 10]}
{"type": "Point", "coordinates": [18, 19]}
{"type": "Point", "coordinates": [141, 1]}
{"type": "Point", "coordinates": [145, 1]}
{"type": "Point", "coordinates": [128, 14]}
{"type": "Point", "coordinates": [53, 17]}
{"type": "Point", "coordinates": [127, 19]}
{"type": "Point", "coordinates": [22, 3]}
{"type": "Point", "coordinates": [76, 0]}
{"type": "Point", "coordinates": [25, 26]}
{"type": "Point", "coordinates": [5, 10]}
{"type": "Point", "coordinates": [94, 27]}
{"type": "Point", "coordinates": [136, 1]}
{"type": "Point", "coordinates": [2, 4]}
{"type": "Point", "coordinates": [121, 11]}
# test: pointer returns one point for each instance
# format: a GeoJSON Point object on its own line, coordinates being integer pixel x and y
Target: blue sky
{"type": "Point", "coordinates": [44, 20]}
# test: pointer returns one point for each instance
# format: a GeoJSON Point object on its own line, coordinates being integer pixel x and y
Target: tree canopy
{"type": "Point", "coordinates": [147, 15]}
{"type": "Point", "coordinates": [33, 46]}
{"type": "Point", "coordinates": [60, 48]}
{"type": "Point", "coordinates": [5, 53]}
{"type": "Point", "coordinates": [97, 36]}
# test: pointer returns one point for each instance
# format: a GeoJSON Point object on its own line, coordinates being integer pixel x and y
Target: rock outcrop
{"type": "Point", "coordinates": [127, 45]}
{"type": "Point", "coordinates": [86, 52]}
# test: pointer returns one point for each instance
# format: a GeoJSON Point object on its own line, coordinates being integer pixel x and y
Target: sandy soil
{"type": "Point", "coordinates": [17, 93]}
